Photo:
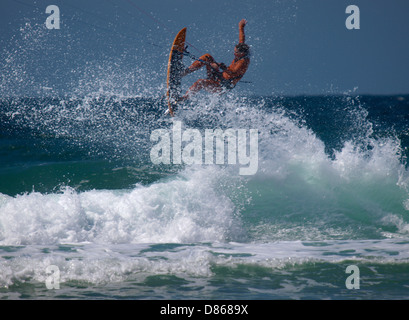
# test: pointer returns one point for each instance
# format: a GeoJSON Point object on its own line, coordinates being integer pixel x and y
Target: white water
{"type": "Point", "coordinates": [298, 193]}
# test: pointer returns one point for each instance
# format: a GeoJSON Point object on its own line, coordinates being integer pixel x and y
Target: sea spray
{"type": "Point", "coordinates": [317, 201]}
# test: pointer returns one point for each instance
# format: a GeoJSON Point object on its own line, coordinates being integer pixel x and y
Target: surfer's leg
{"type": "Point", "coordinates": [206, 84]}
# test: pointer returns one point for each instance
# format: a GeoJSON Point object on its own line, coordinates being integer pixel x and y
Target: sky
{"type": "Point", "coordinates": [298, 46]}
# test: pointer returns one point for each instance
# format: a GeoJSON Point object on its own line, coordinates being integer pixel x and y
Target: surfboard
{"type": "Point", "coordinates": [175, 69]}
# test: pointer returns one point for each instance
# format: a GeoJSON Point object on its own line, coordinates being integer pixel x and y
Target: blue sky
{"type": "Point", "coordinates": [298, 47]}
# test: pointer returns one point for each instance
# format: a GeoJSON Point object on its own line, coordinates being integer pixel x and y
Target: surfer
{"type": "Point", "coordinates": [220, 77]}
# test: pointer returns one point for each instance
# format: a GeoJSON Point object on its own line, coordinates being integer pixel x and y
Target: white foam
{"type": "Point", "coordinates": [295, 177]}
{"type": "Point", "coordinates": [102, 264]}
{"type": "Point", "coordinates": [187, 209]}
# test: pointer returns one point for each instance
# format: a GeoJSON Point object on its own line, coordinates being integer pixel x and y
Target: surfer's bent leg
{"type": "Point", "coordinates": [211, 84]}
{"type": "Point", "coordinates": [206, 84]}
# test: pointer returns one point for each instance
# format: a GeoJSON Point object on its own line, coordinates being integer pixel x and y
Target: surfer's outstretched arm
{"type": "Point", "coordinates": [242, 37]}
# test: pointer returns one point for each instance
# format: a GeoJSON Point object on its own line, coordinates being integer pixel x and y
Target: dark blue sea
{"type": "Point", "coordinates": [80, 193]}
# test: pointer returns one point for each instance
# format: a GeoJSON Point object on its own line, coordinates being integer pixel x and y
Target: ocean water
{"type": "Point", "coordinates": [85, 214]}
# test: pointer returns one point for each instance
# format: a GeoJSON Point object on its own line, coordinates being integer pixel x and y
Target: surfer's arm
{"type": "Point", "coordinates": [235, 69]}
{"type": "Point", "coordinates": [242, 36]}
